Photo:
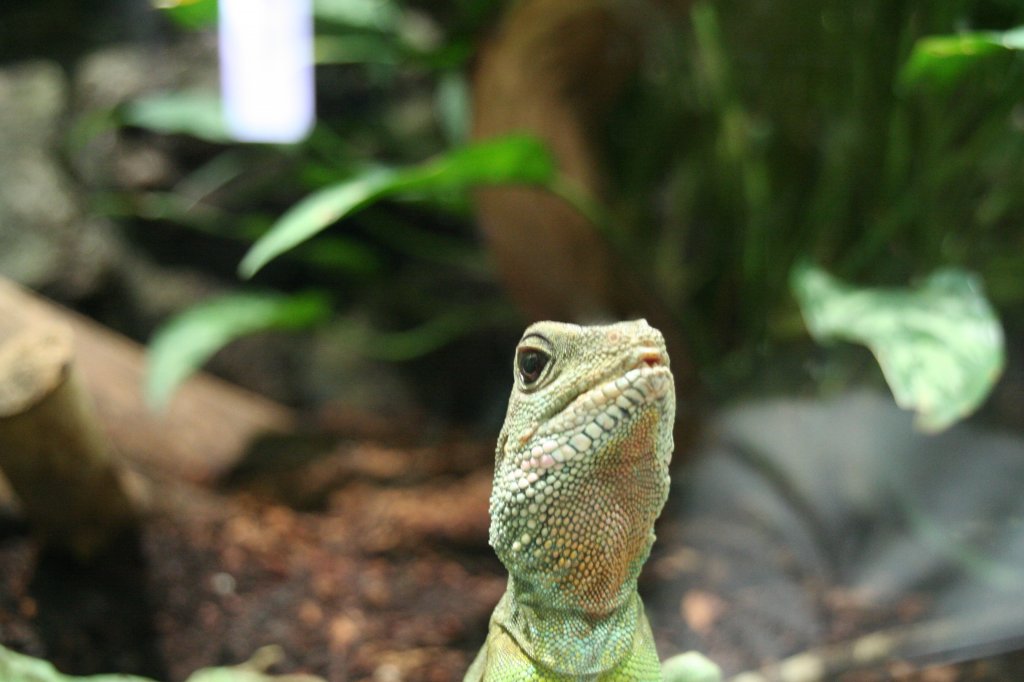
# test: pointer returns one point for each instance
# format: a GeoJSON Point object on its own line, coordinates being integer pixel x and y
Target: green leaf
{"type": "Point", "coordinates": [513, 159]}
{"type": "Point", "coordinates": [197, 114]}
{"type": "Point", "coordinates": [15, 667]}
{"type": "Point", "coordinates": [943, 60]}
{"type": "Point", "coordinates": [376, 15]}
{"type": "Point", "coordinates": [940, 346]}
{"type": "Point", "coordinates": [379, 15]}
{"type": "Point", "coordinates": [366, 48]}
{"type": "Point", "coordinates": [253, 670]}
{"type": "Point", "coordinates": [690, 667]}
{"type": "Point", "coordinates": [183, 344]}
{"type": "Point", "coordinates": [191, 14]}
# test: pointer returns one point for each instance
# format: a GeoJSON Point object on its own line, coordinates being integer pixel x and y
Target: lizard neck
{"type": "Point", "coordinates": [574, 541]}
{"type": "Point", "coordinates": [568, 640]}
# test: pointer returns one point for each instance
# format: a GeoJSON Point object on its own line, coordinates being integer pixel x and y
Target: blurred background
{"type": "Point", "coordinates": [821, 205]}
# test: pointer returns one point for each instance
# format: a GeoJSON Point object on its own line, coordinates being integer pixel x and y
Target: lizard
{"type": "Point", "coordinates": [581, 473]}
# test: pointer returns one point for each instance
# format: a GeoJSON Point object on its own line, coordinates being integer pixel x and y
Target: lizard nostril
{"type": "Point", "coordinates": [652, 357]}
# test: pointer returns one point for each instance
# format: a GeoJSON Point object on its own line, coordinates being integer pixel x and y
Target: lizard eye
{"type": "Point", "coordinates": [531, 363]}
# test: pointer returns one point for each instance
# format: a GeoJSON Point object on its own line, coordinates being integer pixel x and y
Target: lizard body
{"type": "Point", "coordinates": [581, 474]}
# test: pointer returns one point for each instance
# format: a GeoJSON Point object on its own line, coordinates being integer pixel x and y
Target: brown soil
{"type": "Point", "coordinates": [363, 561]}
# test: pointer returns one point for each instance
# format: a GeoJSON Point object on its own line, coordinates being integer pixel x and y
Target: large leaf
{"type": "Point", "coordinates": [183, 344]}
{"type": "Point", "coordinates": [943, 60]}
{"type": "Point", "coordinates": [198, 114]}
{"type": "Point", "coordinates": [513, 159]}
{"type": "Point", "coordinates": [940, 345]}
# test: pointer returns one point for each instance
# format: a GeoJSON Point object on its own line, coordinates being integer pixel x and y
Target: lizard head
{"type": "Point", "coordinates": [582, 463]}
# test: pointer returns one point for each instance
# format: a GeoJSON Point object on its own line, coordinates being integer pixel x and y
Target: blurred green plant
{"type": "Point", "coordinates": [197, 114]}
{"type": "Point", "coordinates": [189, 13]}
{"type": "Point", "coordinates": [510, 160]}
{"type": "Point", "coordinates": [15, 667]}
{"type": "Point", "coordinates": [820, 135]}
{"type": "Point", "coordinates": [408, 100]}
{"type": "Point", "coordinates": [185, 343]}
{"type": "Point", "coordinates": [940, 346]}
{"type": "Point", "coordinates": [944, 60]}
{"type": "Point", "coordinates": [691, 667]}
{"type": "Point", "coordinates": [847, 133]}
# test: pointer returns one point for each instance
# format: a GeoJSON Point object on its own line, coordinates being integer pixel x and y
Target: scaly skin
{"type": "Point", "coordinates": [581, 473]}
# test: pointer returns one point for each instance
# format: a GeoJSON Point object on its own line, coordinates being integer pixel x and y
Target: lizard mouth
{"type": "Point", "coordinates": [647, 382]}
{"type": "Point", "coordinates": [591, 418]}
{"type": "Point", "coordinates": [618, 397]}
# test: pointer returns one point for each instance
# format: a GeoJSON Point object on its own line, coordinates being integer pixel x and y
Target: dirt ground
{"type": "Point", "coordinates": [365, 557]}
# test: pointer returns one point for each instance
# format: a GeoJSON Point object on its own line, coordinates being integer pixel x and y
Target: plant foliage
{"type": "Point", "coordinates": [943, 60]}
{"type": "Point", "coordinates": [15, 667]}
{"type": "Point", "coordinates": [197, 114]}
{"type": "Point", "coordinates": [184, 343]}
{"type": "Point", "coordinates": [940, 345]}
{"type": "Point", "coordinates": [516, 159]}
{"type": "Point", "coordinates": [883, 140]}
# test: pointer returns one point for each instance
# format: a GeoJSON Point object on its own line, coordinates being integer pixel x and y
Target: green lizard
{"type": "Point", "coordinates": [581, 474]}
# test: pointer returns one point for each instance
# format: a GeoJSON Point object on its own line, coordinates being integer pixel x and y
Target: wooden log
{"type": "Point", "coordinates": [69, 386]}
{"type": "Point", "coordinates": [202, 433]}
{"type": "Point", "coordinates": [52, 449]}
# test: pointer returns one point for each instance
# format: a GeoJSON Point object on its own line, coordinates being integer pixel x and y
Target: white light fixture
{"type": "Point", "coordinates": [266, 69]}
